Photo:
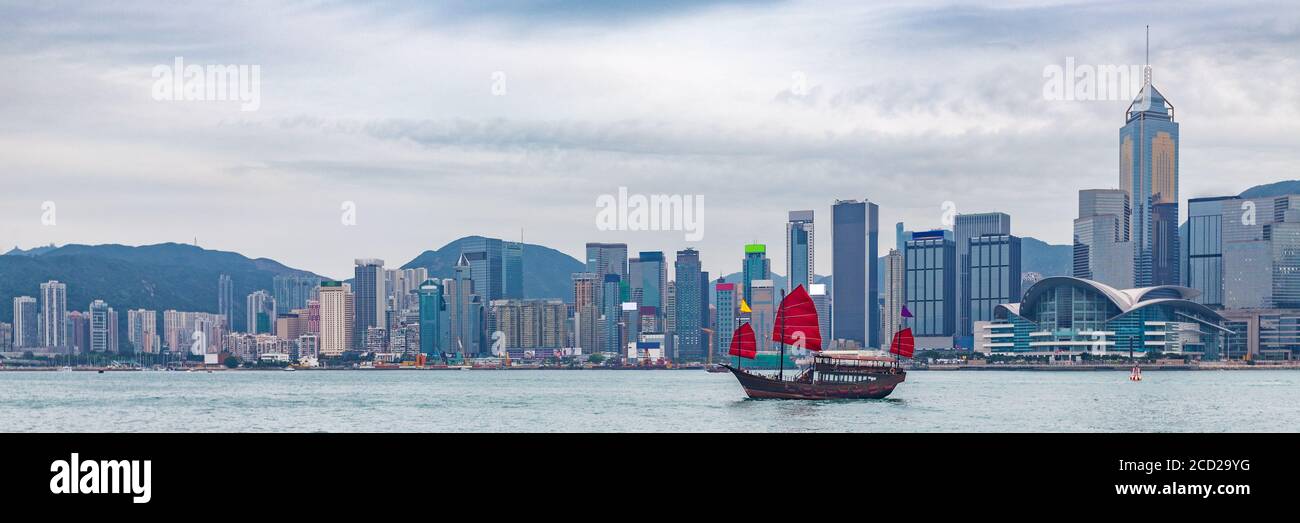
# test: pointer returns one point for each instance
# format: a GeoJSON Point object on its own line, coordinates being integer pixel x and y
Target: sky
{"type": "Point", "coordinates": [418, 124]}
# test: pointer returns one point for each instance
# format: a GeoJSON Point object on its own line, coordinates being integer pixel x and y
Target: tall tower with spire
{"type": "Point", "coordinates": [1148, 172]}
{"type": "Point", "coordinates": [465, 310]}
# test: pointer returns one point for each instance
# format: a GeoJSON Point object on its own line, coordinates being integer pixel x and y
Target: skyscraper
{"type": "Point", "coordinates": [670, 309]}
{"type": "Point", "coordinates": [895, 297]}
{"type": "Point", "coordinates": [291, 292]}
{"type": "Point", "coordinates": [629, 324]}
{"type": "Point", "coordinates": [649, 279]}
{"type": "Point", "coordinates": [400, 286]}
{"type": "Point", "coordinates": [78, 333]}
{"type": "Point", "coordinates": [1244, 253]}
{"type": "Point", "coordinates": [260, 308]}
{"type": "Point", "coordinates": [931, 276]}
{"type": "Point", "coordinates": [690, 290]}
{"type": "Point", "coordinates": [856, 291]}
{"type": "Point", "coordinates": [368, 291]}
{"type": "Point", "coordinates": [465, 311]}
{"type": "Point", "coordinates": [993, 275]}
{"type": "Point", "coordinates": [704, 301]}
{"type": "Point", "coordinates": [1164, 244]}
{"type": "Point", "coordinates": [1203, 269]}
{"type": "Point", "coordinates": [180, 328]}
{"type": "Point", "coordinates": [1102, 251]}
{"type": "Point", "coordinates": [763, 306]}
{"type": "Point", "coordinates": [822, 302]}
{"type": "Point", "coordinates": [142, 331]}
{"type": "Point", "coordinates": [965, 227]}
{"type": "Point", "coordinates": [1148, 172]}
{"type": "Point", "coordinates": [486, 260]}
{"type": "Point", "coordinates": [26, 323]}
{"type": "Point", "coordinates": [513, 268]}
{"type": "Point", "coordinates": [799, 249]}
{"type": "Point", "coordinates": [531, 324]}
{"type": "Point", "coordinates": [755, 266]}
{"type": "Point", "coordinates": [585, 313]}
{"type": "Point", "coordinates": [100, 322]}
{"type": "Point", "coordinates": [900, 237]}
{"type": "Point", "coordinates": [610, 313]}
{"type": "Point", "coordinates": [336, 318]}
{"type": "Point", "coordinates": [433, 313]}
{"type": "Point", "coordinates": [226, 299]}
{"type": "Point", "coordinates": [555, 317]}
{"type": "Point", "coordinates": [607, 258]}
{"type": "Point", "coordinates": [728, 302]}
{"type": "Point", "coordinates": [602, 259]}
{"type": "Point", "coordinates": [54, 311]}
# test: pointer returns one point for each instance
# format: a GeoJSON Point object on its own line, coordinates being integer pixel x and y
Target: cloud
{"type": "Point", "coordinates": [762, 107]}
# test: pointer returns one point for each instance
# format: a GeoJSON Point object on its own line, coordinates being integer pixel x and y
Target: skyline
{"type": "Point", "coordinates": [905, 106]}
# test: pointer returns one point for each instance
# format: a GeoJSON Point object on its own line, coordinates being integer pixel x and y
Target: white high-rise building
{"type": "Point", "coordinates": [799, 250]}
{"type": "Point", "coordinates": [895, 297]}
{"type": "Point", "coordinates": [27, 331]}
{"type": "Point", "coordinates": [336, 318]}
{"type": "Point", "coordinates": [142, 330]}
{"type": "Point", "coordinates": [260, 311]}
{"type": "Point", "coordinates": [54, 314]}
{"type": "Point", "coordinates": [100, 325]}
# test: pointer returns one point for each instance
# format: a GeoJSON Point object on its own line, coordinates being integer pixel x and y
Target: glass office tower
{"type": "Point", "coordinates": [1148, 149]}
{"type": "Point", "coordinates": [855, 293]}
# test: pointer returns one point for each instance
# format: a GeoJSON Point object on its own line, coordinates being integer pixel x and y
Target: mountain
{"type": "Point", "coordinates": [547, 272]}
{"type": "Point", "coordinates": [1272, 189]}
{"type": "Point", "coordinates": [30, 252]}
{"type": "Point", "coordinates": [157, 277]}
{"type": "Point", "coordinates": [1045, 258]}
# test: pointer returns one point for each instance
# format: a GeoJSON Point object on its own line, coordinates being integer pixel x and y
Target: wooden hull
{"type": "Point", "coordinates": [762, 387]}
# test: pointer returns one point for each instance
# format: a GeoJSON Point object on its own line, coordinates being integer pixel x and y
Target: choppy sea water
{"type": "Point", "coordinates": [638, 401]}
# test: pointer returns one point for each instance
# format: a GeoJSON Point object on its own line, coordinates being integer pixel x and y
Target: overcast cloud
{"type": "Point", "coordinates": [391, 106]}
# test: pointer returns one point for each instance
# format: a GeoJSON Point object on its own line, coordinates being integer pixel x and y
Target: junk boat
{"type": "Point", "coordinates": [832, 374]}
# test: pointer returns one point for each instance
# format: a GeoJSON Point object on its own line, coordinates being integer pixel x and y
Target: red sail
{"type": "Point", "coordinates": [743, 342]}
{"type": "Point", "coordinates": [903, 343]}
{"type": "Point", "coordinates": [796, 321]}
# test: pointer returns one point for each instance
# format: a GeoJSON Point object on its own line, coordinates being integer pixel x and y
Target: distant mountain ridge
{"type": "Point", "coordinates": [30, 252]}
{"type": "Point", "coordinates": [547, 272]}
{"type": "Point", "coordinates": [184, 277]}
{"type": "Point", "coordinates": [1045, 258]}
{"type": "Point", "coordinates": [1272, 189]}
{"type": "Point", "coordinates": [157, 277]}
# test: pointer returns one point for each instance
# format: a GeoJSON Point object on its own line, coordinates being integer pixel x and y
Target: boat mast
{"type": "Point", "coordinates": [780, 374]}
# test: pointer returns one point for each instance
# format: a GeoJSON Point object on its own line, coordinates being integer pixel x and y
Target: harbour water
{"type": "Point", "coordinates": [638, 401]}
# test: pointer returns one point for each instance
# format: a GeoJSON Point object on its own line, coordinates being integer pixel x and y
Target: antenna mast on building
{"type": "Point", "coordinates": [1146, 71]}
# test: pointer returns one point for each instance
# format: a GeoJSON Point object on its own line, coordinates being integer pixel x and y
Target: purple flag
{"type": "Point", "coordinates": [906, 313]}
